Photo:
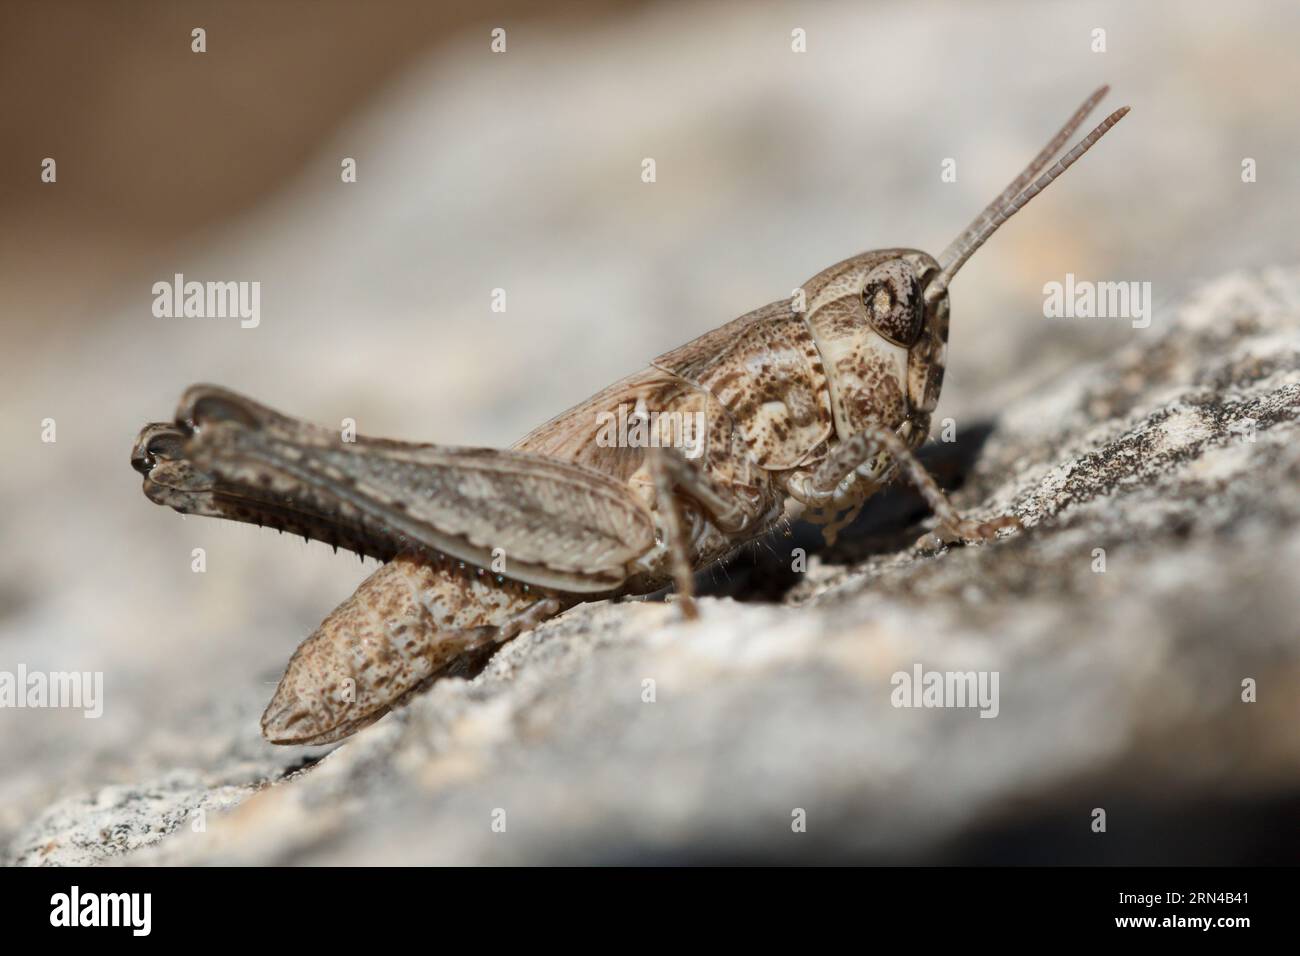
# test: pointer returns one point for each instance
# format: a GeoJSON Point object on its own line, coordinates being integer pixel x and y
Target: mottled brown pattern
{"type": "Point", "coordinates": [926, 363]}
{"type": "Point", "coordinates": [893, 303]}
{"type": "Point", "coordinates": [408, 622]}
{"type": "Point", "coordinates": [821, 406]}
{"type": "Point", "coordinates": [725, 457]}
{"type": "Point", "coordinates": [765, 368]}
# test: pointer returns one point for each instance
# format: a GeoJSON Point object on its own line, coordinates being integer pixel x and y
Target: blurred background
{"type": "Point", "coordinates": [519, 170]}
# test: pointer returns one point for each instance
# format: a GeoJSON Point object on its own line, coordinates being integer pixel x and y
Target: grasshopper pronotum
{"type": "Point", "coordinates": [808, 405]}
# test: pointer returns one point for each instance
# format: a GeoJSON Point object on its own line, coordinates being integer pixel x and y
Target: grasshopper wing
{"type": "Point", "coordinates": [557, 524]}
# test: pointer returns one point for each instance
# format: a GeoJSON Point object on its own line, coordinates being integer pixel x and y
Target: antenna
{"type": "Point", "coordinates": [1017, 194]}
{"type": "Point", "coordinates": [1025, 178]}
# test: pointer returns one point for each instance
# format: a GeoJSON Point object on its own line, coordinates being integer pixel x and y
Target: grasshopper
{"type": "Point", "coordinates": [807, 407]}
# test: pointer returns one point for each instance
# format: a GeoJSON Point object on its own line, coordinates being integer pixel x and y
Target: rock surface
{"type": "Point", "coordinates": [1174, 465]}
{"type": "Point", "coordinates": [481, 171]}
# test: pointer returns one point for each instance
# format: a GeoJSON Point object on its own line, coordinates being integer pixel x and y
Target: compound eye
{"type": "Point", "coordinates": [895, 307]}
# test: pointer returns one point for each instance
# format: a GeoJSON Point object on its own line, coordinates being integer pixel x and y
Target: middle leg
{"type": "Point", "coordinates": [727, 508]}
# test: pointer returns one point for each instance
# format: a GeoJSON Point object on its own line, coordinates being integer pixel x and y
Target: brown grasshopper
{"type": "Point", "coordinates": [806, 407]}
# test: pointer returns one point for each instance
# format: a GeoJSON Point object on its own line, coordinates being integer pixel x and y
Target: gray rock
{"type": "Point", "coordinates": [1175, 461]}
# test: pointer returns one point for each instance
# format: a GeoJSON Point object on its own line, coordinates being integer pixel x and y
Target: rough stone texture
{"type": "Point", "coordinates": [1121, 690]}
{"type": "Point", "coordinates": [479, 171]}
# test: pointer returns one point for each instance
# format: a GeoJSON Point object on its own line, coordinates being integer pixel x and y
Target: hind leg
{"type": "Point", "coordinates": [408, 623]}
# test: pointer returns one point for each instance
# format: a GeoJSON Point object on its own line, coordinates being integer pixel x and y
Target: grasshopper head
{"type": "Point", "coordinates": [898, 312]}
{"type": "Point", "coordinates": [881, 341]}
{"type": "Point", "coordinates": [880, 319]}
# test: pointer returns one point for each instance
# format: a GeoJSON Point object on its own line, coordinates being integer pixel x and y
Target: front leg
{"type": "Point", "coordinates": [822, 487]}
